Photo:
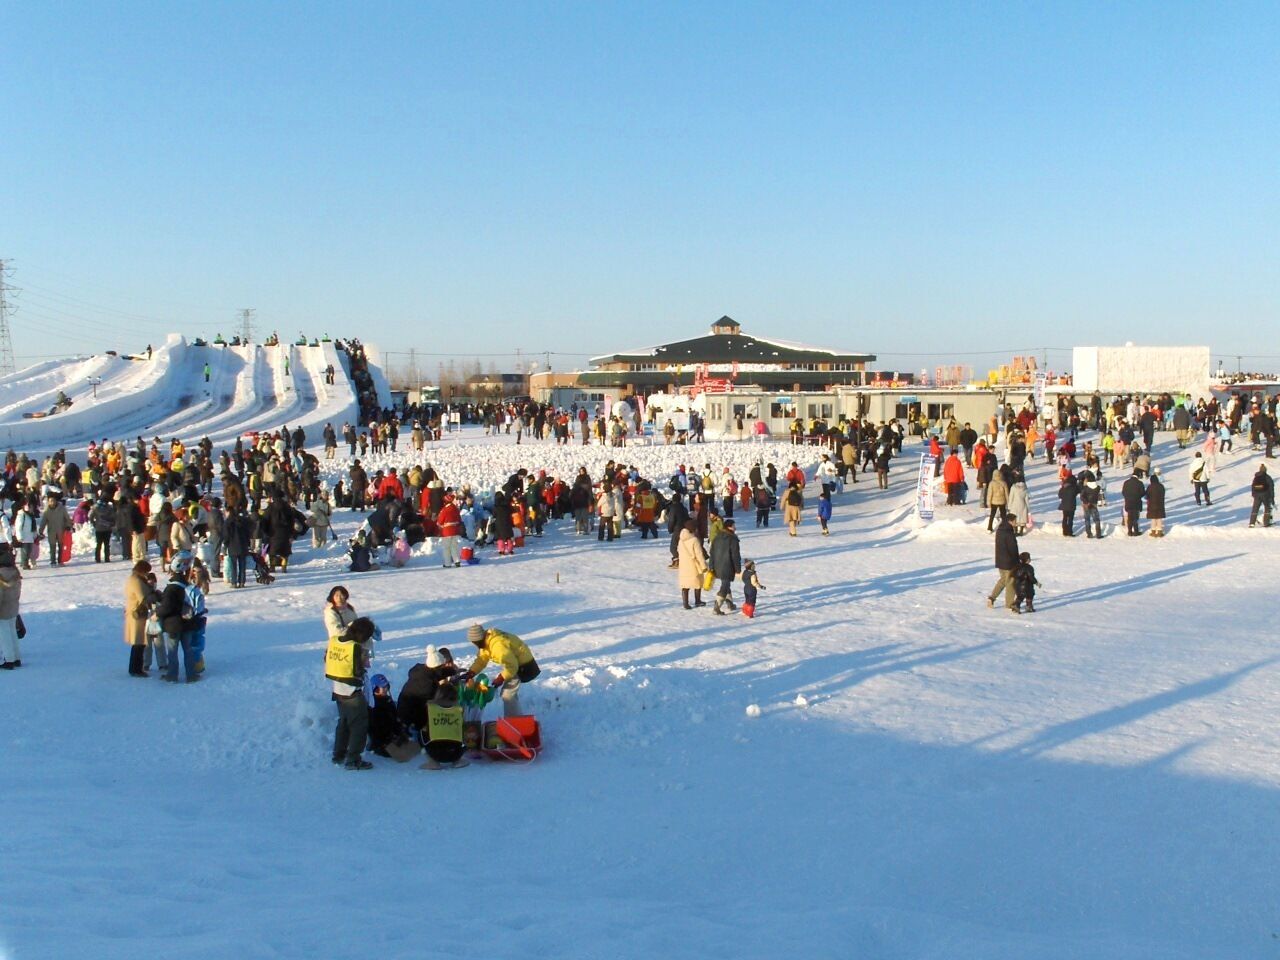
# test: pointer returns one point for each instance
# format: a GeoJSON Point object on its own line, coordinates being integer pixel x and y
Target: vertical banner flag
{"type": "Point", "coordinates": [608, 407]}
{"type": "Point", "coordinates": [1041, 379]}
{"type": "Point", "coordinates": [924, 487]}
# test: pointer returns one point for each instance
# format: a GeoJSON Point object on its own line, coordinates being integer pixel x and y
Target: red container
{"type": "Point", "coordinates": [512, 738]}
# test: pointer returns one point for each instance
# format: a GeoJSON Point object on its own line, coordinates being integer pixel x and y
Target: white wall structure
{"type": "Point", "coordinates": [1140, 369]}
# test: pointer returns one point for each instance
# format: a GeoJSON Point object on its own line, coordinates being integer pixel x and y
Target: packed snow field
{"type": "Point", "coordinates": [924, 777]}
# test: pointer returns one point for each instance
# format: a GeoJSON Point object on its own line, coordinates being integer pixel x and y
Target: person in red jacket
{"type": "Point", "coordinates": [935, 451]}
{"type": "Point", "coordinates": [953, 477]}
{"type": "Point", "coordinates": [795, 475]}
{"type": "Point", "coordinates": [450, 522]}
{"type": "Point", "coordinates": [391, 488]}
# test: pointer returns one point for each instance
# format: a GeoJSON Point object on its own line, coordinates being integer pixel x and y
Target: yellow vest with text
{"type": "Point", "coordinates": [444, 723]}
{"type": "Point", "coordinates": [343, 661]}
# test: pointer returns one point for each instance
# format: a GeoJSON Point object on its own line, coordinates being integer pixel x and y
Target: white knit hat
{"type": "Point", "coordinates": [433, 656]}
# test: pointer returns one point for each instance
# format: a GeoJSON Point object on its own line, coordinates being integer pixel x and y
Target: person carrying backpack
{"type": "Point", "coordinates": [177, 618]}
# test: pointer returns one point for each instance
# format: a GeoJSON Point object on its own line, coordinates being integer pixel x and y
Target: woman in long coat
{"type": "Point", "coordinates": [1155, 504]}
{"type": "Point", "coordinates": [792, 502]}
{"type": "Point", "coordinates": [138, 597]}
{"type": "Point", "coordinates": [693, 564]}
{"type": "Point", "coordinates": [164, 534]}
{"type": "Point", "coordinates": [1019, 504]}
{"type": "Point", "coordinates": [281, 527]}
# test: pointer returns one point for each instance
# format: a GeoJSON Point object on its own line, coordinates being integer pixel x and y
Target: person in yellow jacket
{"type": "Point", "coordinates": [509, 653]}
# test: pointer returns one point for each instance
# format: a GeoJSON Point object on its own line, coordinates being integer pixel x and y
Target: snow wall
{"type": "Point", "coordinates": [164, 376]}
{"type": "Point", "coordinates": [377, 370]}
{"type": "Point", "coordinates": [1141, 369]}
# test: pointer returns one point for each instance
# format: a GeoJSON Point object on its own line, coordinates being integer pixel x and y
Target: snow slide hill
{"type": "Point", "coordinates": [249, 388]}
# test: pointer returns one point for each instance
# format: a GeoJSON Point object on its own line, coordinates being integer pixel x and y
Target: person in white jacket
{"type": "Point", "coordinates": [619, 510]}
{"type": "Point", "coordinates": [1199, 472]}
{"type": "Point", "coordinates": [826, 474]}
{"type": "Point", "coordinates": [605, 510]}
{"type": "Point", "coordinates": [24, 534]}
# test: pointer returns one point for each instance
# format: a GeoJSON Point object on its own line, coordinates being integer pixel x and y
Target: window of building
{"type": "Point", "coordinates": [941, 411]}
{"type": "Point", "coordinates": [744, 411]}
{"type": "Point", "coordinates": [784, 409]}
{"type": "Point", "coordinates": [715, 411]}
{"type": "Point", "coordinates": [820, 411]}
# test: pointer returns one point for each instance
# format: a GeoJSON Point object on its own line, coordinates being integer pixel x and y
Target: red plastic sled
{"type": "Point", "coordinates": [64, 554]}
{"type": "Point", "coordinates": [512, 738]}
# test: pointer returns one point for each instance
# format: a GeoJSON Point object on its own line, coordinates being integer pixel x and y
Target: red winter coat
{"type": "Point", "coordinates": [953, 470]}
{"type": "Point", "coordinates": [390, 487]}
{"type": "Point", "coordinates": [450, 520]}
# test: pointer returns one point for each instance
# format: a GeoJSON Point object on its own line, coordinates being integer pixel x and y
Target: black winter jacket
{"type": "Point", "coordinates": [1133, 491]}
{"type": "Point", "coordinates": [726, 555]}
{"type": "Point", "coordinates": [1006, 546]}
{"type": "Point", "coordinates": [419, 690]}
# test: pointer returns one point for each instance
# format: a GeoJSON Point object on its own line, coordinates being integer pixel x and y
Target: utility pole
{"type": "Point", "coordinates": [246, 325]}
{"type": "Point", "coordinates": [6, 338]}
{"type": "Point", "coordinates": [519, 362]}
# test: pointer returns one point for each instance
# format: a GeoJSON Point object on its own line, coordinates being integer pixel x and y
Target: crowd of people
{"type": "Point", "coordinates": [1126, 446]}
{"type": "Point", "coordinates": [185, 518]}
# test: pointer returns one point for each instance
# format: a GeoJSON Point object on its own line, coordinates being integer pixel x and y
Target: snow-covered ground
{"type": "Point", "coordinates": [927, 778]}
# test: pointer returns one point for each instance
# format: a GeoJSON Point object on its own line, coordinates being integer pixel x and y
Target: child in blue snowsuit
{"type": "Point", "coordinates": [194, 600]}
{"type": "Point", "coordinates": [824, 511]}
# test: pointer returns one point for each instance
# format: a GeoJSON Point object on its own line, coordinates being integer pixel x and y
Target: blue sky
{"type": "Point", "coordinates": [911, 180]}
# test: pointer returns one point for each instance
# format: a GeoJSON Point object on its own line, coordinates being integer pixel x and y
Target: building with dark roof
{"type": "Point", "coordinates": [728, 359]}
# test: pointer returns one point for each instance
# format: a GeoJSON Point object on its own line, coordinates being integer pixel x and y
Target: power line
{"type": "Point", "coordinates": [1015, 351]}
{"type": "Point", "coordinates": [97, 288]}
{"type": "Point", "coordinates": [44, 293]}
{"type": "Point", "coordinates": [467, 353]}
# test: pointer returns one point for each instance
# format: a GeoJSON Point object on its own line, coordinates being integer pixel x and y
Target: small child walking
{"type": "Point", "coordinates": [824, 510]}
{"type": "Point", "coordinates": [750, 584]}
{"type": "Point", "coordinates": [1024, 584]}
